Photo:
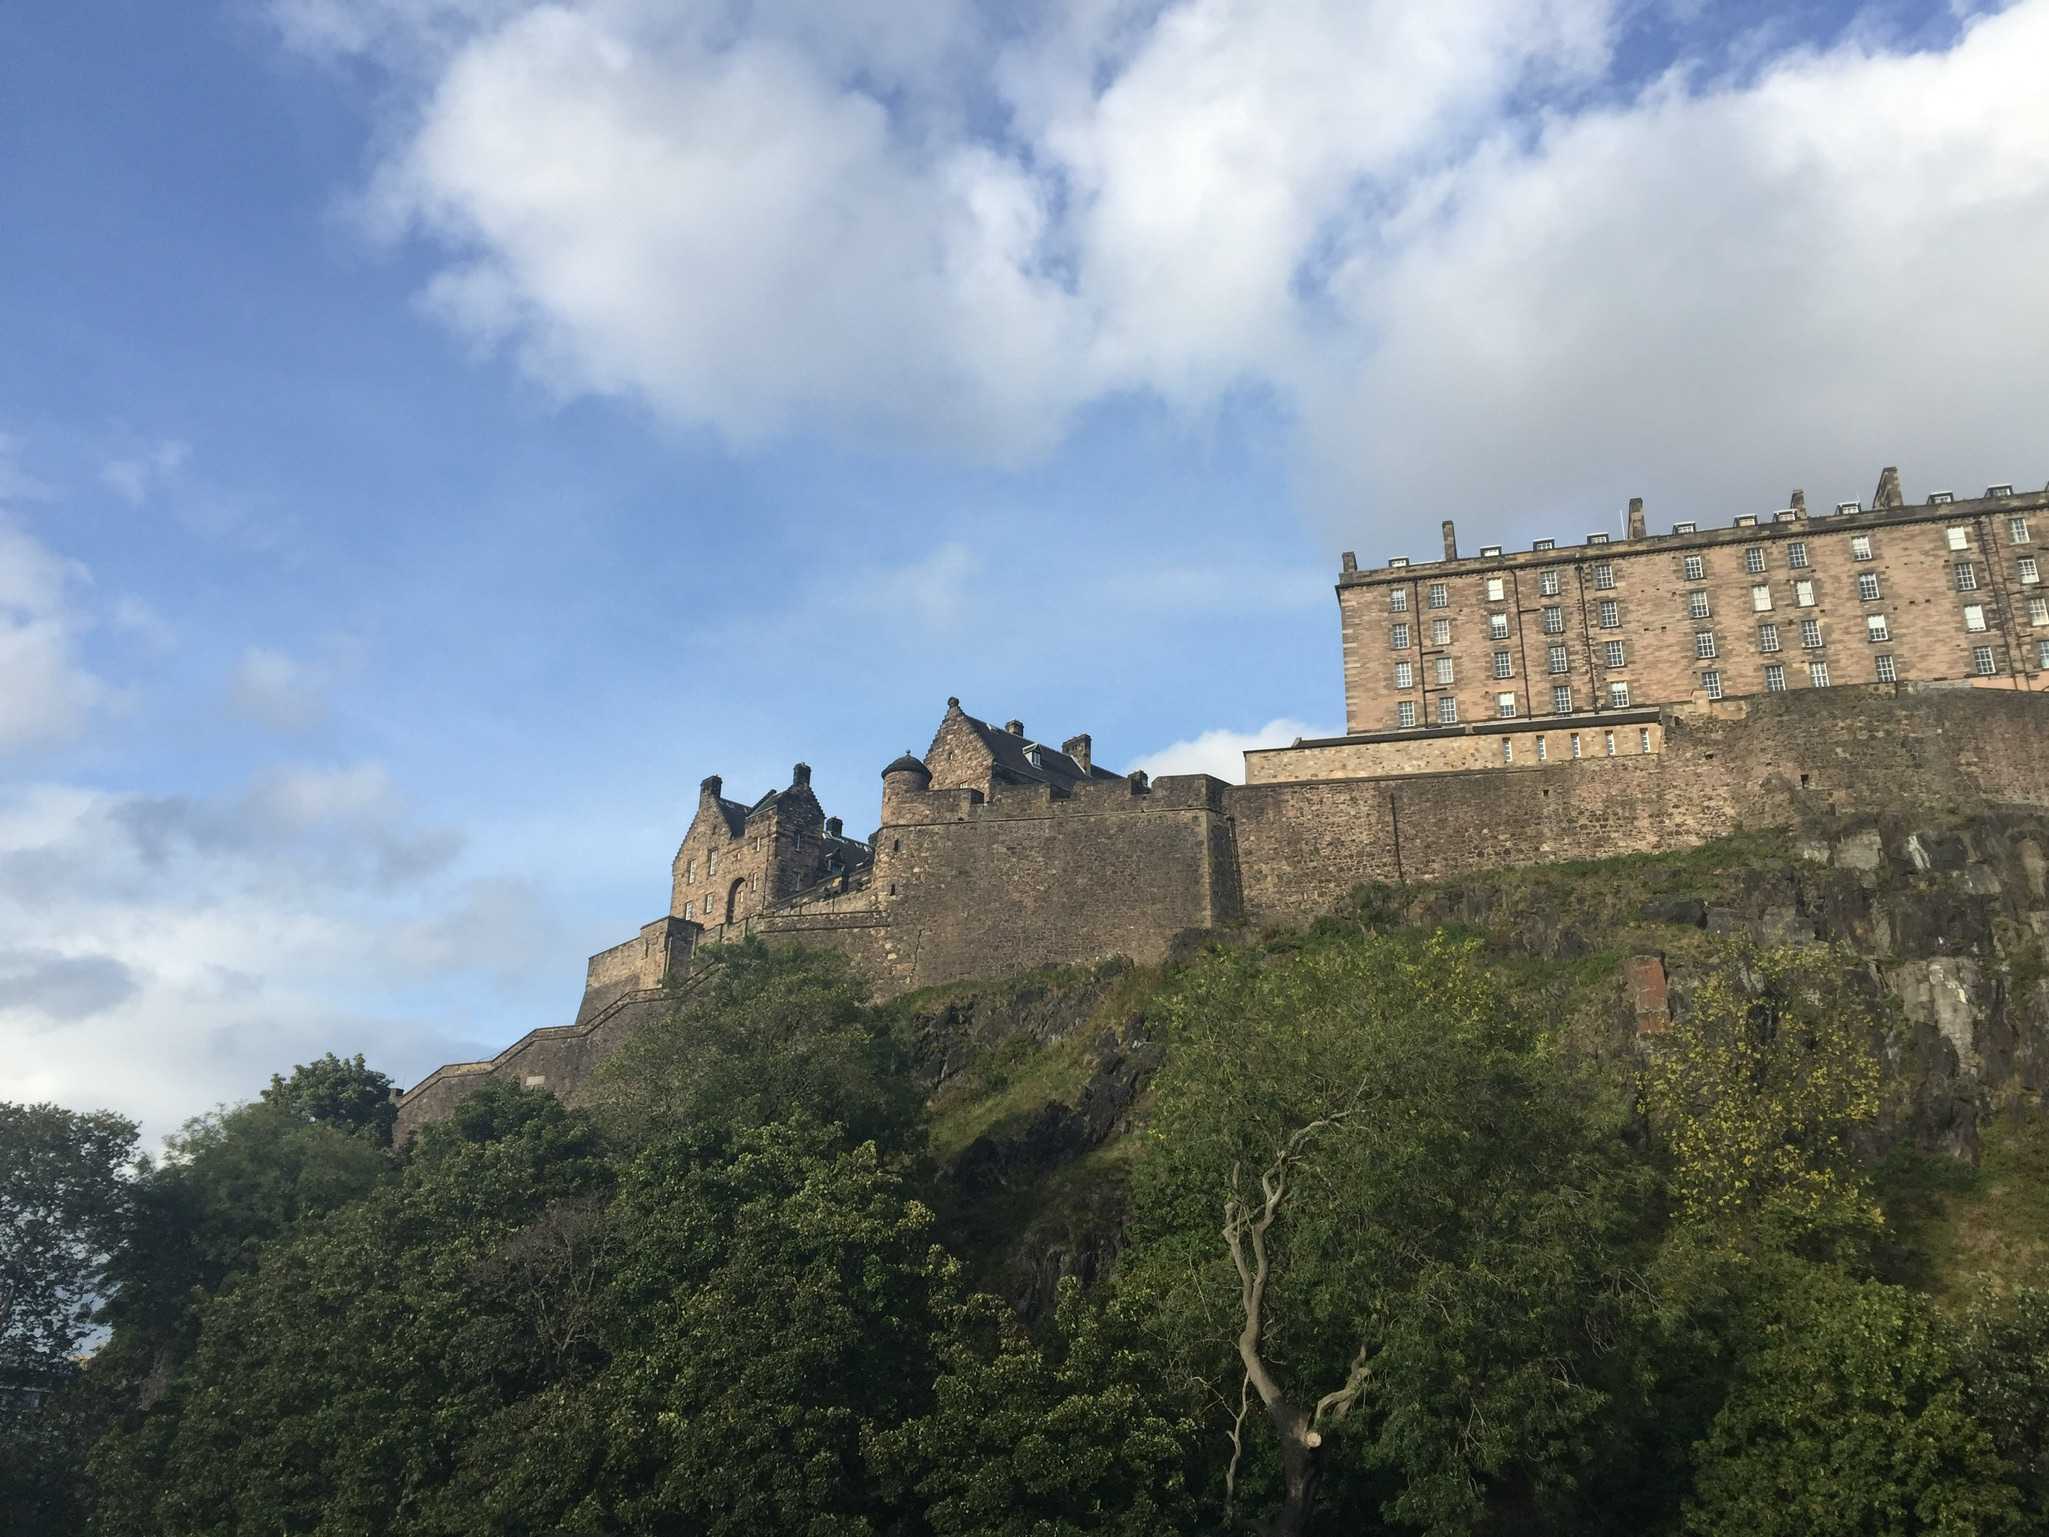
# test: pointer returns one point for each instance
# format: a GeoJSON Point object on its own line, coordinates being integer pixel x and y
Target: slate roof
{"type": "Point", "coordinates": [1012, 763]}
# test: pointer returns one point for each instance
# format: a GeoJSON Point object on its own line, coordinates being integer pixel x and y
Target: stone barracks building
{"type": "Point", "coordinates": [1633, 693]}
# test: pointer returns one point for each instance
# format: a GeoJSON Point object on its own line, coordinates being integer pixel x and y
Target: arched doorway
{"type": "Point", "coordinates": [733, 898]}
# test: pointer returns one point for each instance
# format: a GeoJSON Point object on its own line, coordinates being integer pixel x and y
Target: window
{"type": "Point", "coordinates": [1398, 600]}
{"type": "Point", "coordinates": [1643, 739]}
{"type": "Point", "coordinates": [1867, 586]}
{"type": "Point", "coordinates": [1774, 678]}
{"type": "Point", "coordinates": [1704, 644]}
{"type": "Point", "coordinates": [1443, 665]}
{"type": "Point", "coordinates": [1495, 587]}
{"type": "Point", "coordinates": [1618, 696]}
{"type": "Point", "coordinates": [1753, 559]}
{"type": "Point", "coordinates": [1504, 706]}
{"type": "Point", "coordinates": [1796, 554]}
{"type": "Point", "coordinates": [1613, 653]}
{"type": "Point", "coordinates": [1695, 568]}
{"type": "Point", "coordinates": [2042, 653]}
{"type": "Point", "coordinates": [1555, 659]}
{"type": "Point", "coordinates": [1404, 674]}
{"type": "Point", "coordinates": [1810, 633]}
{"type": "Point", "coordinates": [1508, 750]}
{"type": "Point", "coordinates": [1761, 598]}
{"type": "Point", "coordinates": [1966, 576]}
{"type": "Point", "coordinates": [1497, 626]}
{"type": "Point", "coordinates": [1561, 699]}
{"type": "Point", "coordinates": [690, 872]}
{"type": "Point", "coordinates": [1803, 594]}
{"type": "Point", "coordinates": [687, 913]}
{"type": "Point", "coordinates": [1767, 637]}
{"type": "Point", "coordinates": [1604, 574]}
{"type": "Point", "coordinates": [1817, 674]}
{"type": "Point", "coordinates": [2038, 611]}
{"type": "Point", "coordinates": [1547, 582]}
{"type": "Point", "coordinates": [1981, 661]}
{"type": "Point", "coordinates": [1440, 632]}
{"type": "Point", "coordinates": [1543, 749]}
{"type": "Point", "coordinates": [1959, 538]}
{"type": "Point", "coordinates": [1440, 595]}
{"type": "Point", "coordinates": [1398, 637]}
{"type": "Point", "coordinates": [1697, 605]}
{"type": "Point", "coordinates": [1609, 742]}
{"type": "Point", "coordinates": [711, 864]}
{"type": "Point", "coordinates": [1974, 617]}
{"type": "Point", "coordinates": [1554, 621]}
{"type": "Point", "coordinates": [1712, 682]}
{"type": "Point", "coordinates": [1874, 628]}
{"type": "Point", "coordinates": [1860, 547]}
{"type": "Point", "coordinates": [1502, 667]}
{"type": "Point", "coordinates": [1405, 714]}
{"type": "Point", "coordinates": [1611, 614]}
{"type": "Point", "coordinates": [2017, 531]}
{"type": "Point", "coordinates": [1575, 744]}
{"type": "Point", "coordinates": [1447, 710]}
{"type": "Point", "coordinates": [2031, 574]}
{"type": "Point", "coordinates": [1887, 671]}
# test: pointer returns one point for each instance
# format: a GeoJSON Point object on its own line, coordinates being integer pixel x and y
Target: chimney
{"type": "Point", "coordinates": [1348, 561]}
{"type": "Point", "coordinates": [1636, 517]}
{"type": "Point", "coordinates": [833, 826]}
{"type": "Point", "coordinates": [1888, 492]}
{"type": "Point", "coordinates": [1798, 503]}
{"type": "Point", "coordinates": [1014, 727]}
{"type": "Point", "coordinates": [800, 775]}
{"type": "Point", "coordinates": [709, 789]}
{"type": "Point", "coordinates": [953, 705]}
{"type": "Point", "coordinates": [1450, 541]}
{"type": "Point", "coordinates": [1077, 748]}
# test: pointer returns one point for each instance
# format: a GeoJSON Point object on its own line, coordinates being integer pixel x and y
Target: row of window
{"type": "Point", "coordinates": [1643, 745]}
{"type": "Point", "coordinates": [1507, 705]}
{"type": "Point", "coordinates": [711, 867]}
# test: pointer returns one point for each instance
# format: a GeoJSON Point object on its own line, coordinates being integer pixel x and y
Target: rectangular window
{"type": "Point", "coordinates": [1608, 741]}
{"type": "Point", "coordinates": [1502, 669]}
{"type": "Point", "coordinates": [1443, 665]}
{"type": "Point", "coordinates": [1543, 749]}
{"type": "Point", "coordinates": [1604, 574]}
{"type": "Point", "coordinates": [1803, 594]}
{"type": "Point", "coordinates": [1508, 750]}
{"type": "Point", "coordinates": [1974, 617]}
{"type": "Point", "coordinates": [1761, 598]}
{"type": "Point", "coordinates": [1618, 696]}
{"type": "Point", "coordinates": [1810, 633]}
{"type": "Point", "coordinates": [2017, 531]}
{"type": "Point", "coordinates": [1496, 586]}
{"type": "Point", "coordinates": [1695, 567]}
{"type": "Point", "coordinates": [1704, 644]}
{"type": "Point", "coordinates": [1888, 672]}
{"type": "Point", "coordinates": [1753, 559]}
{"type": "Point", "coordinates": [2042, 653]}
{"type": "Point", "coordinates": [1554, 621]}
{"type": "Point", "coordinates": [1575, 744]}
{"type": "Point", "coordinates": [1959, 538]}
{"type": "Point", "coordinates": [1555, 659]}
{"type": "Point", "coordinates": [1796, 555]}
{"type": "Point", "coordinates": [1561, 699]}
{"type": "Point", "coordinates": [1774, 678]}
{"type": "Point", "coordinates": [1817, 674]}
{"type": "Point", "coordinates": [2031, 574]}
{"type": "Point", "coordinates": [1643, 739]}
{"type": "Point", "coordinates": [2038, 611]}
{"type": "Point", "coordinates": [1966, 576]}
{"type": "Point", "coordinates": [1981, 661]}
{"type": "Point", "coordinates": [1398, 637]}
{"type": "Point", "coordinates": [1611, 614]}
{"type": "Point", "coordinates": [1497, 626]}
{"type": "Point", "coordinates": [1874, 628]}
{"type": "Point", "coordinates": [1405, 714]}
{"type": "Point", "coordinates": [1860, 547]}
{"type": "Point", "coordinates": [1547, 582]}
{"type": "Point", "coordinates": [1712, 682]}
{"type": "Point", "coordinates": [1697, 605]}
{"type": "Point", "coordinates": [1614, 654]}
{"type": "Point", "coordinates": [1404, 674]}
{"type": "Point", "coordinates": [1504, 706]}
{"type": "Point", "coordinates": [1440, 632]}
{"type": "Point", "coordinates": [1440, 595]}
{"type": "Point", "coordinates": [1867, 586]}
{"type": "Point", "coordinates": [1767, 637]}
{"type": "Point", "coordinates": [1398, 599]}
{"type": "Point", "coordinates": [1447, 710]}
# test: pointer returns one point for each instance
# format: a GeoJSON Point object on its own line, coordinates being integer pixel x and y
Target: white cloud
{"type": "Point", "coordinates": [136, 477]}
{"type": "Point", "coordinates": [1221, 752]}
{"type": "Point", "coordinates": [934, 592]}
{"type": "Point", "coordinates": [132, 616]}
{"type": "Point", "coordinates": [274, 690]}
{"type": "Point", "coordinates": [48, 695]}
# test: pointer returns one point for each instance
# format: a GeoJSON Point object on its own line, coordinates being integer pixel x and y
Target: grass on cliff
{"type": "Point", "coordinates": [1962, 1234]}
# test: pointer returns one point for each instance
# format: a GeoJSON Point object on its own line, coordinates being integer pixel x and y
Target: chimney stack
{"type": "Point", "coordinates": [1636, 517]}
{"type": "Point", "coordinates": [1014, 727]}
{"type": "Point", "coordinates": [800, 775]}
{"type": "Point", "coordinates": [1348, 561]}
{"type": "Point", "coordinates": [1888, 492]}
{"type": "Point", "coordinates": [1450, 541]}
{"type": "Point", "coordinates": [1077, 748]}
{"type": "Point", "coordinates": [1798, 503]}
{"type": "Point", "coordinates": [833, 826]}
{"type": "Point", "coordinates": [709, 789]}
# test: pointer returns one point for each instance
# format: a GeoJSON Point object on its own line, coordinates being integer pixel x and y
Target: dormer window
{"type": "Point", "coordinates": [1032, 756]}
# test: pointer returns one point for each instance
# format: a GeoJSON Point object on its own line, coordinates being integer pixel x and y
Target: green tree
{"type": "Point", "coordinates": [340, 1092]}
{"type": "Point", "coordinates": [2004, 1358]}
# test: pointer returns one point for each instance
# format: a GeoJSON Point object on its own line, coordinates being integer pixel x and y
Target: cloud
{"type": "Point", "coordinates": [135, 477]}
{"type": "Point", "coordinates": [48, 695]}
{"type": "Point", "coordinates": [1221, 752]}
{"type": "Point", "coordinates": [132, 616]}
{"type": "Point", "coordinates": [934, 591]}
{"type": "Point", "coordinates": [62, 989]}
{"type": "Point", "coordinates": [273, 690]}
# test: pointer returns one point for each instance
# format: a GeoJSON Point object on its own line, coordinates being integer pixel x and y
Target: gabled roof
{"type": "Point", "coordinates": [1015, 755]}
{"type": "Point", "coordinates": [735, 815]}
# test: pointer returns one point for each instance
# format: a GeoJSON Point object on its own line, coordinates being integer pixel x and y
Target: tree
{"type": "Point", "coordinates": [339, 1092]}
{"type": "Point", "coordinates": [65, 1180]}
{"type": "Point", "coordinates": [1376, 1219]}
{"type": "Point", "coordinates": [2004, 1358]}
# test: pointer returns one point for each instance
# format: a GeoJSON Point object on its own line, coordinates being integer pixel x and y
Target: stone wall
{"type": "Point", "coordinates": [1494, 744]}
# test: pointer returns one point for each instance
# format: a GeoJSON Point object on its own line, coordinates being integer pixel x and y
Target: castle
{"type": "Point", "coordinates": [1629, 694]}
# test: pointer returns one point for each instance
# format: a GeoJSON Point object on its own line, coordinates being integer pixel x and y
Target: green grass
{"type": "Point", "coordinates": [1009, 1085]}
{"type": "Point", "coordinates": [1960, 1233]}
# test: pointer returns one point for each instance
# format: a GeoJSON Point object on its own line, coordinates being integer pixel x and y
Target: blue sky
{"type": "Point", "coordinates": [436, 433]}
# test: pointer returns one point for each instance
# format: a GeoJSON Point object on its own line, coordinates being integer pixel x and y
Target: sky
{"type": "Point", "coordinates": [435, 434]}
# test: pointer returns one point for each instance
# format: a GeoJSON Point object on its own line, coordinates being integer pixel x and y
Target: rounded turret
{"type": "Point", "coordinates": [909, 771]}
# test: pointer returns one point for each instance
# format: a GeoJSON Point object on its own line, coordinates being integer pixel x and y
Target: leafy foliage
{"type": "Point", "coordinates": [64, 1188]}
{"type": "Point", "coordinates": [338, 1092]}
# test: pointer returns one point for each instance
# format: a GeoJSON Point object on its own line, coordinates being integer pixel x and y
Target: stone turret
{"type": "Point", "coordinates": [905, 776]}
